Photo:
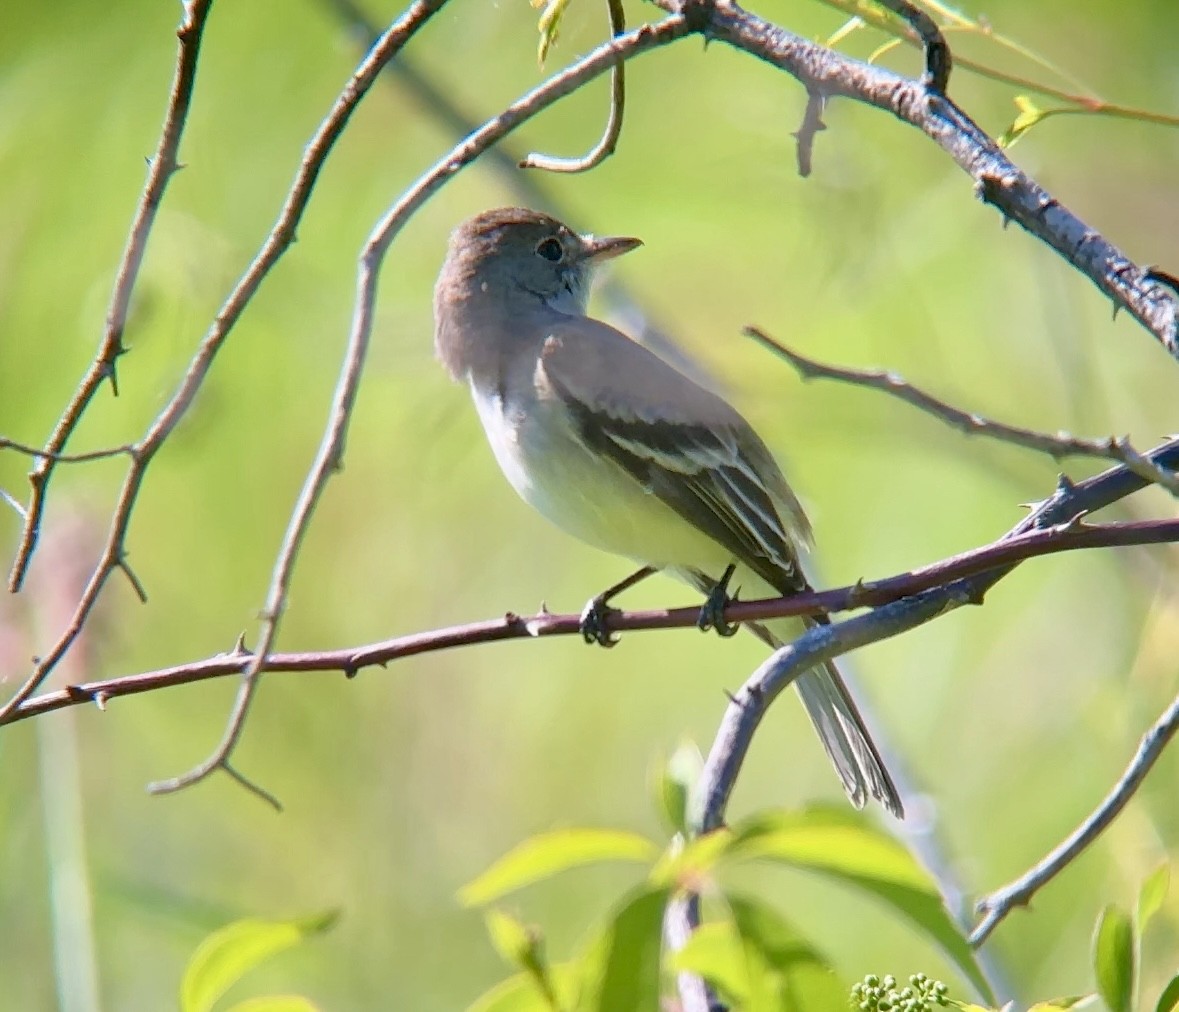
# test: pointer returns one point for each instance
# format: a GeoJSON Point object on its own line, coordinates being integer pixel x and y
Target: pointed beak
{"type": "Point", "coordinates": [597, 249]}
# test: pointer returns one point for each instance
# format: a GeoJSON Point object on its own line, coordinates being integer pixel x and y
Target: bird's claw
{"type": "Point", "coordinates": [595, 623]}
{"type": "Point", "coordinates": [712, 614]}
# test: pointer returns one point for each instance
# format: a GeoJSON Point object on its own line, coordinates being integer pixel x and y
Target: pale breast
{"type": "Point", "coordinates": [585, 494]}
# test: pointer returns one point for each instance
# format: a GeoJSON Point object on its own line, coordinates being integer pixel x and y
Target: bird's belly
{"type": "Point", "coordinates": [587, 495]}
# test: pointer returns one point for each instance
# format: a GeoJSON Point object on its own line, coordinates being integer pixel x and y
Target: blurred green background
{"type": "Point", "coordinates": [1011, 720]}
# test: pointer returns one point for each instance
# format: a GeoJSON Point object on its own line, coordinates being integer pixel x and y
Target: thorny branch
{"type": "Point", "coordinates": [1056, 446]}
{"type": "Point", "coordinates": [161, 168]}
{"type": "Point", "coordinates": [281, 236]}
{"type": "Point", "coordinates": [994, 561]}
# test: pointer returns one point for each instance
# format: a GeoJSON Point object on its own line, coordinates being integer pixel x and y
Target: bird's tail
{"type": "Point", "coordinates": [841, 729]}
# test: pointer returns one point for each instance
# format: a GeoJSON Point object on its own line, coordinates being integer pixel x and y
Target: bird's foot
{"type": "Point", "coordinates": [712, 614]}
{"type": "Point", "coordinates": [595, 622]}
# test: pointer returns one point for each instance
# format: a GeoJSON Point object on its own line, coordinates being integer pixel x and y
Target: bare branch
{"type": "Point", "coordinates": [991, 561]}
{"type": "Point", "coordinates": [1000, 903]}
{"type": "Point", "coordinates": [160, 170]}
{"type": "Point", "coordinates": [1058, 447]}
{"type": "Point", "coordinates": [605, 147]}
{"type": "Point", "coordinates": [280, 237]}
{"type": "Point", "coordinates": [331, 450]}
{"type": "Point", "coordinates": [66, 458]}
{"type": "Point", "coordinates": [997, 179]}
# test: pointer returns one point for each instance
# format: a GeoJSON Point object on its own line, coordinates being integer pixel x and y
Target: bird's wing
{"type": "Point", "coordinates": [680, 441]}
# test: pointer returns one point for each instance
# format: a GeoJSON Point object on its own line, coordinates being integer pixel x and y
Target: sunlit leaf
{"type": "Point", "coordinates": [521, 994]}
{"type": "Point", "coordinates": [547, 854]}
{"type": "Point", "coordinates": [1169, 999]}
{"type": "Point", "coordinates": [550, 20]}
{"type": "Point", "coordinates": [714, 953]}
{"type": "Point", "coordinates": [849, 848]}
{"type": "Point", "coordinates": [622, 964]}
{"type": "Point", "coordinates": [230, 952]}
{"type": "Point", "coordinates": [784, 970]}
{"type": "Point", "coordinates": [1113, 958]}
{"type": "Point", "coordinates": [687, 865]}
{"type": "Point", "coordinates": [675, 783]}
{"type": "Point", "coordinates": [1152, 894]}
{"type": "Point", "coordinates": [1028, 116]}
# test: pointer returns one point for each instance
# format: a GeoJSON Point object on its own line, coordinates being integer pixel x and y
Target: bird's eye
{"type": "Point", "coordinates": [550, 249]}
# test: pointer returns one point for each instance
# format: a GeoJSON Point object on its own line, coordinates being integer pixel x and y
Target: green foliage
{"type": "Point", "coordinates": [548, 854]}
{"type": "Point", "coordinates": [675, 783]}
{"type": "Point", "coordinates": [1113, 958]}
{"type": "Point", "coordinates": [755, 957]}
{"type": "Point", "coordinates": [550, 18]}
{"type": "Point", "coordinates": [229, 953]}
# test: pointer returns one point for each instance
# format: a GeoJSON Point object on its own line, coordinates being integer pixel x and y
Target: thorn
{"type": "Point", "coordinates": [731, 698]}
{"type": "Point", "coordinates": [240, 646]}
{"type": "Point", "coordinates": [1064, 484]}
{"type": "Point", "coordinates": [858, 592]}
{"type": "Point", "coordinates": [100, 699]}
{"type": "Point", "coordinates": [78, 694]}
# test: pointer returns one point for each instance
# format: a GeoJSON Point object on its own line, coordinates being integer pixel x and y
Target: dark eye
{"type": "Point", "coordinates": [550, 249]}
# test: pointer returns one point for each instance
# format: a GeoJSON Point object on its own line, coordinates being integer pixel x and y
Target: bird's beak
{"type": "Point", "coordinates": [596, 249]}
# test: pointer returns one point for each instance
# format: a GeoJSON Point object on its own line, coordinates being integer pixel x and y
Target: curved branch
{"type": "Point", "coordinates": [1000, 903]}
{"type": "Point", "coordinates": [329, 457]}
{"type": "Point", "coordinates": [280, 237]}
{"type": "Point", "coordinates": [605, 147]}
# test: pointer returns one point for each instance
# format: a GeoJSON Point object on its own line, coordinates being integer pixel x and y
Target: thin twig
{"type": "Point", "coordinates": [1000, 903]}
{"type": "Point", "coordinates": [998, 557]}
{"type": "Point", "coordinates": [66, 458]}
{"type": "Point", "coordinates": [280, 237]}
{"type": "Point", "coordinates": [812, 123]}
{"type": "Point", "coordinates": [605, 147]}
{"type": "Point", "coordinates": [329, 457]}
{"type": "Point", "coordinates": [1056, 446]}
{"type": "Point", "coordinates": [160, 170]}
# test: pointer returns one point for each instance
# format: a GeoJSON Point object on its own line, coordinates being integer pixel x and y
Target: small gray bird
{"type": "Point", "coordinates": [620, 449]}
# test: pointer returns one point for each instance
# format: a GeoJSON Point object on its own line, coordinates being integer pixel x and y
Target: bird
{"type": "Point", "coordinates": [623, 451]}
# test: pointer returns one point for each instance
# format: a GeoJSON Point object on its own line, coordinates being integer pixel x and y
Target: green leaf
{"type": "Point", "coordinates": [520, 993]}
{"type": "Point", "coordinates": [714, 952]}
{"type": "Point", "coordinates": [688, 864]}
{"type": "Point", "coordinates": [1169, 999]}
{"type": "Point", "coordinates": [847, 847]}
{"type": "Point", "coordinates": [1028, 116]}
{"type": "Point", "coordinates": [675, 783]}
{"type": "Point", "coordinates": [521, 946]}
{"type": "Point", "coordinates": [1060, 1004]}
{"type": "Point", "coordinates": [547, 854]}
{"type": "Point", "coordinates": [784, 970]}
{"type": "Point", "coordinates": [276, 1003]}
{"type": "Point", "coordinates": [622, 964]}
{"type": "Point", "coordinates": [1113, 958]}
{"type": "Point", "coordinates": [1152, 894]}
{"type": "Point", "coordinates": [232, 951]}
{"type": "Point", "coordinates": [550, 20]}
